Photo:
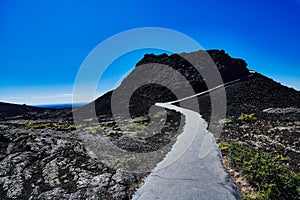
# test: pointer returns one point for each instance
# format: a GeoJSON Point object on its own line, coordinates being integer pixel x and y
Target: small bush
{"type": "Point", "coordinates": [223, 146]}
{"type": "Point", "coordinates": [248, 118]}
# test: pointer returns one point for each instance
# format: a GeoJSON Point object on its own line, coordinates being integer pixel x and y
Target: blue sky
{"type": "Point", "coordinates": [43, 43]}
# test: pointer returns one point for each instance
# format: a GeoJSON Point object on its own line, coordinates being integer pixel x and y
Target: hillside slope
{"type": "Point", "coordinates": [250, 95]}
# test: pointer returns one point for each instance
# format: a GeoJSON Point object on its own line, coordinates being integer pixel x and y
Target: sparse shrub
{"type": "Point", "coordinates": [103, 127]}
{"type": "Point", "coordinates": [97, 129]}
{"type": "Point", "coordinates": [63, 127]}
{"type": "Point", "coordinates": [281, 157]}
{"type": "Point", "coordinates": [55, 126]}
{"type": "Point", "coordinates": [248, 118]}
{"type": "Point", "coordinates": [135, 127]}
{"type": "Point", "coordinates": [272, 180]}
{"type": "Point", "coordinates": [143, 120]}
{"type": "Point", "coordinates": [226, 122]}
{"type": "Point", "coordinates": [127, 162]}
{"type": "Point", "coordinates": [30, 125]}
{"type": "Point", "coordinates": [71, 128]}
{"type": "Point", "coordinates": [113, 126]}
{"type": "Point", "coordinates": [161, 114]}
{"type": "Point", "coordinates": [39, 126]}
{"type": "Point", "coordinates": [223, 146]}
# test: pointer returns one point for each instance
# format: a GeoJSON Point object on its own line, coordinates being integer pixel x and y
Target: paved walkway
{"type": "Point", "coordinates": [192, 169]}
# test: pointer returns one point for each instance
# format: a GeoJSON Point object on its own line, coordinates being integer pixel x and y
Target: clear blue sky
{"type": "Point", "coordinates": [43, 43]}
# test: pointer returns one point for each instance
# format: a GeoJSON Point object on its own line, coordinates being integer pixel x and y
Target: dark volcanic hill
{"type": "Point", "coordinates": [8, 109]}
{"type": "Point", "coordinates": [249, 95]}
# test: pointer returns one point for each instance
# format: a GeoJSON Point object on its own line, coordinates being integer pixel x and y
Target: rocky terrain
{"type": "Point", "coordinates": [43, 156]}
{"type": "Point", "coordinates": [44, 160]}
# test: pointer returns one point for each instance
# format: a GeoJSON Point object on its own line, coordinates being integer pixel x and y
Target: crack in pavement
{"type": "Point", "coordinates": [183, 179]}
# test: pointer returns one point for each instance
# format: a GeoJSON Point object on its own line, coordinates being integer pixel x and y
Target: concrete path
{"type": "Point", "coordinates": [192, 169]}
